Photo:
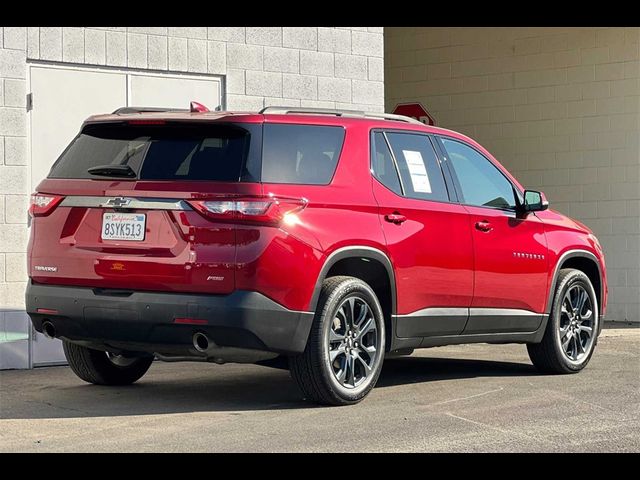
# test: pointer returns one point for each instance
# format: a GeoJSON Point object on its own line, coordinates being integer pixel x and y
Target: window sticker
{"type": "Point", "coordinates": [418, 172]}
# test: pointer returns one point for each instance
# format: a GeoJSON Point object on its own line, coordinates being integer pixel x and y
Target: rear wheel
{"type": "Point", "coordinates": [345, 349]}
{"type": "Point", "coordinates": [105, 368]}
{"type": "Point", "coordinates": [570, 337]}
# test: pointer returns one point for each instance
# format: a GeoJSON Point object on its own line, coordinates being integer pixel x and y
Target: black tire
{"type": "Point", "coordinates": [95, 366]}
{"type": "Point", "coordinates": [314, 372]}
{"type": "Point", "coordinates": [549, 356]}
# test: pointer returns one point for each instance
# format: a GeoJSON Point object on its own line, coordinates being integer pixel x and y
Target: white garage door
{"type": "Point", "coordinates": [63, 97]}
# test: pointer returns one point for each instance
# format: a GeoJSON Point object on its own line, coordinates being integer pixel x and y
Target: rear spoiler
{"type": "Point", "coordinates": [193, 107]}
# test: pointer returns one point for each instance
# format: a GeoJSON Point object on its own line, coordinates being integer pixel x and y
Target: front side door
{"type": "Point", "coordinates": [428, 237]}
{"type": "Point", "coordinates": [510, 252]}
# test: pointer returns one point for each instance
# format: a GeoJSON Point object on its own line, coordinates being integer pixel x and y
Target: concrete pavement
{"type": "Point", "coordinates": [459, 398]}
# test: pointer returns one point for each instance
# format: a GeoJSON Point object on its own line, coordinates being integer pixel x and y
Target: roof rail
{"type": "Point", "coordinates": [341, 113]}
{"type": "Point", "coordinates": [126, 110]}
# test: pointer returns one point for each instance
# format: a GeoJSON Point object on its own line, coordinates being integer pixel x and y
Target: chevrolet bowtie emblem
{"type": "Point", "coordinates": [118, 202]}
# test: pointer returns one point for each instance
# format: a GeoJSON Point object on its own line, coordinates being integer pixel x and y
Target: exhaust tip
{"type": "Point", "coordinates": [48, 329]}
{"type": "Point", "coordinates": [200, 342]}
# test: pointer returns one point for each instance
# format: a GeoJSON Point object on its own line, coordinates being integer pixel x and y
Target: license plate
{"type": "Point", "coordinates": [123, 226]}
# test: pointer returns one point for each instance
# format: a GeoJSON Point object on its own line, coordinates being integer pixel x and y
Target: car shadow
{"type": "Point", "coordinates": [202, 390]}
{"type": "Point", "coordinates": [405, 370]}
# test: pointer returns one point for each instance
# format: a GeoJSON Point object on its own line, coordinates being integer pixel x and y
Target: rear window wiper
{"type": "Point", "coordinates": [112, 171]}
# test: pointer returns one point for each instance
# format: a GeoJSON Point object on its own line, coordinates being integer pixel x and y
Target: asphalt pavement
{"type": "Point", "coordinates": [453, 399]}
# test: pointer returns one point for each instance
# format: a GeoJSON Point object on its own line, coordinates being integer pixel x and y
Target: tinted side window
{"type": "Point", "coordinates": [419, 167]}
{"type": "Point", "coordinates": [304, 154]}
{"type": "Point", "coordinates": [481, 182]}
{"type": "Point", "coordinates": [382, 164]}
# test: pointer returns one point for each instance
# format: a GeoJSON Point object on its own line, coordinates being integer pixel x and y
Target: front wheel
{"type": "Point", "coordinates": [570, 337]}
{"type": "Point", "coordinates": [104, 368]}
{"type": "Point", "coordinates": [344, 352]}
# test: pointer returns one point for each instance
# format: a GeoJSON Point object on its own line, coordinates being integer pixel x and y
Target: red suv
{"type": "Point", "coordinates": [331, 238]}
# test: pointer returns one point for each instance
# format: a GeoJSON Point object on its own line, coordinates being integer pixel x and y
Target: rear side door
{"type": "Point", "coordinates": [510, 261]}
{"type": "Point", "coordinates": [428, 236]}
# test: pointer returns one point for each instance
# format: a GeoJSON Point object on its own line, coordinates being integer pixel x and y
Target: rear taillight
{"type": "Point", "coordinates": [262, 210]}
{"type": "Point", "coordinates": [43, 204]}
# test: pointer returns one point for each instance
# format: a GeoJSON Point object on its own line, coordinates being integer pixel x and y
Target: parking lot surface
{"type": "Point", "coordinates": [460, 398]}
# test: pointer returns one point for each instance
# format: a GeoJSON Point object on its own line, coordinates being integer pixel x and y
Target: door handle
{"type": "Point", "coordinates": [395, 217]}
{"type": "Point", "coordinates": [484, 226]}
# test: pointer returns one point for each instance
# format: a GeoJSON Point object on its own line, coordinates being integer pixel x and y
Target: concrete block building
{"type": "Point", "coordinates": [559, 107]}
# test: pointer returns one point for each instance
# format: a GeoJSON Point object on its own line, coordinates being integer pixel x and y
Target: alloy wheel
{"type": "Point", "coordinates": [576, 325]}
{"type": "Point", "coordinates": [353, 342]}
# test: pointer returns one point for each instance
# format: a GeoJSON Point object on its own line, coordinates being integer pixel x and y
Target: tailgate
{"type": "Point", "coordinates": [179, 250]}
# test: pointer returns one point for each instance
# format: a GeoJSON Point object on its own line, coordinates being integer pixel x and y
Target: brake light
{"type": "Point", "coordinates": [262, 210]}
{"type": "Point", "coordinates": [42, 204]}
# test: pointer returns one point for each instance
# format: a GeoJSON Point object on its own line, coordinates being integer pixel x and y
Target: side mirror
{"type": "Point", "coordinates": [534, 201]}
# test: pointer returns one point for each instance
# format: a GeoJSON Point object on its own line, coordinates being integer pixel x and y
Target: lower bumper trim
{"type": "Point", "coordinates": [146, 320]}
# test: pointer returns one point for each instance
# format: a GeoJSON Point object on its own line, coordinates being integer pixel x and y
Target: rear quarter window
{"type": "Point", "coordinates": [300, 154]}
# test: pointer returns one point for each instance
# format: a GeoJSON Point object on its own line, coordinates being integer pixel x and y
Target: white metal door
{"type": "Point", "coordinates": [63, 97]}
{"type": "Point", "coordinates": [62, 100]}
{"type": "Point", "coordinates": [174, 92]}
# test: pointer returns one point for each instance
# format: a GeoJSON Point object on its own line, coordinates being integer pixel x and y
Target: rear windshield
{"type": "Point", "coordinates": [158, 152]}
{"type": "Point", "coordinates": [302, 154]}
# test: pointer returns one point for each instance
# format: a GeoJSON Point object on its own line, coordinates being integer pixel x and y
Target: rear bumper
{"type": "Point", "coordinates": [145, 321]}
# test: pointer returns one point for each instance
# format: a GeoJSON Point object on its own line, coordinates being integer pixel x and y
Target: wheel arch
{"type": "Point", "coordinates": [588, 264]}
{"type": "Point", "coordinates": [370, 265]}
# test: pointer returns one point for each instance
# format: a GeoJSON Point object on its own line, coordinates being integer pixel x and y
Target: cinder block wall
{"type": "Point", "coordinates": [305, 66]}
{"type": "Point", "coordinates": [559, 107]}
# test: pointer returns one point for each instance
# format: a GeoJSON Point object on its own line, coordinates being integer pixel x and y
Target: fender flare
{"type": "Point", "coordinates": [355, 251]}
{"type": "Point", "coordinates": [572, 254]}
